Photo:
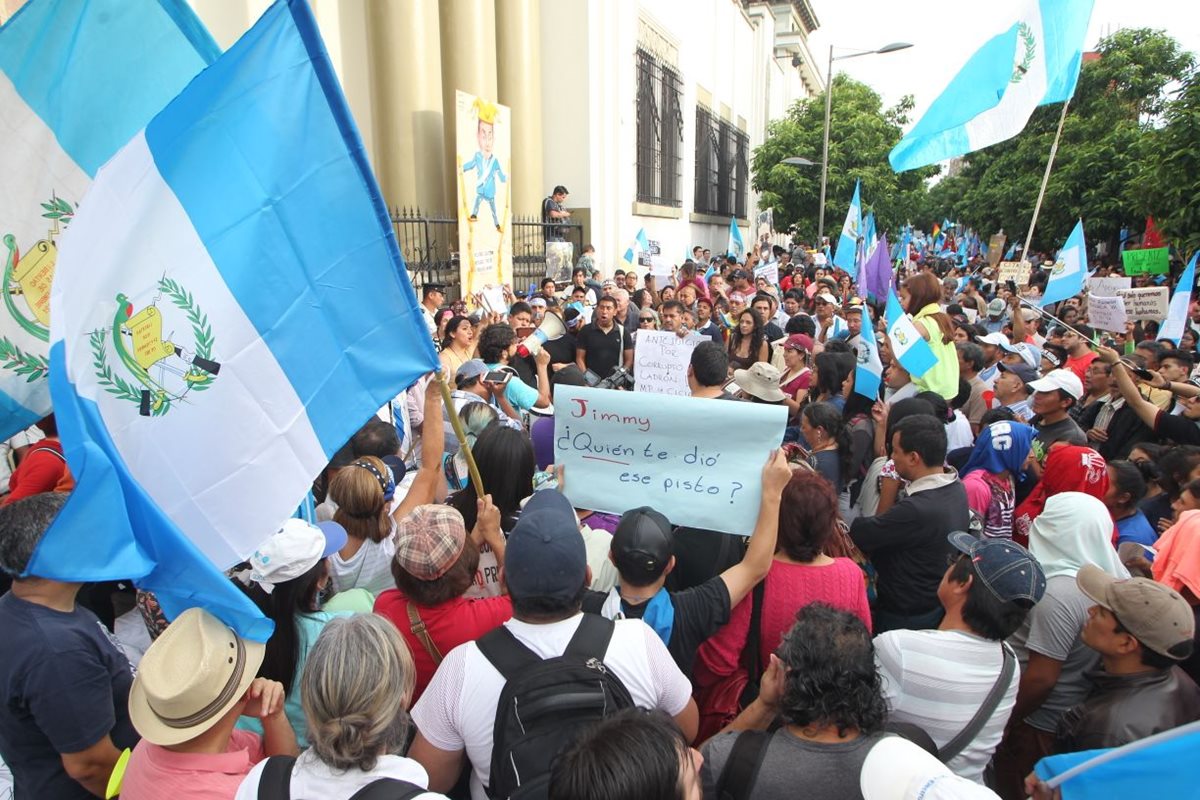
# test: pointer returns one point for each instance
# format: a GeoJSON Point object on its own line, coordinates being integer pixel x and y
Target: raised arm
{"type": "Point", "coordinates": [433, 444]}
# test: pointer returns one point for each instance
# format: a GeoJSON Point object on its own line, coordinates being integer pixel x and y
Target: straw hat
{"type": "Point", "coordinates": [760, 380]}
{"type": "Point", "coordinates": [190, 677]}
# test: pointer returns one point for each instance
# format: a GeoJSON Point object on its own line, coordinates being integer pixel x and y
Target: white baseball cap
{"type": "Point", "coordinates": [827, 298]}
{"type": "Point", "coordinates": [293, 550]}
{"type": "Point", "coordinates": [1029, 354]}
{"type": "Point", "coordinates": [997, 339]}
{"type": "Point", "coordinates": [897, 769]}
{"type": "Point", "coordinates": [1063, 379]}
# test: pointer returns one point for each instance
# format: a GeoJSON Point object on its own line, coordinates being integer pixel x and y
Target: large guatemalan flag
{"type": "Point", "coordinates": [78, 78]}
{"type": "Point", "coordinates": [230, 306]}
{"type": "Point", "coordinates": [1035, 62]}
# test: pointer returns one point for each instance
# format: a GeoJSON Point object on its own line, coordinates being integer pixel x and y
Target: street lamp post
{"type": "Point", "coordinates": [887, 48]}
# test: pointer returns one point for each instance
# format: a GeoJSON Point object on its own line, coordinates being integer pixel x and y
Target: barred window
{"type": "Point", "coordinates": [722, 166]}
{"type": "Point", "coordinates": [659, 131]}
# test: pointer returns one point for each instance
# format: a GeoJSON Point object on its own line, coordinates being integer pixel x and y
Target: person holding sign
{"type": "Point", "coordinates": [642, 550]}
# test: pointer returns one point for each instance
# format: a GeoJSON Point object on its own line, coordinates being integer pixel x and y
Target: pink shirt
{"type": "Point", "coordinates": [155, 772]}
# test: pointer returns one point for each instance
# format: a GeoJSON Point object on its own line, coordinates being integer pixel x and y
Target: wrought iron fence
{"type": "Point", "coordinates": [429, 243]}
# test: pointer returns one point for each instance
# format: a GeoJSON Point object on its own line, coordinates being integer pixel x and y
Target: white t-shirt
{"type": "Point", "coordinates": [599, 543]}
{"type": "Point", "coordinates": [458, 709]}
{"type": "Point", "coordinates": [313, 779]}
{"type": "Point", "coordinates": [370, 568]}
{"type": "Point", "coordinates": [958, 433]}
{"type": "Point", "coordinates": [937, 680]}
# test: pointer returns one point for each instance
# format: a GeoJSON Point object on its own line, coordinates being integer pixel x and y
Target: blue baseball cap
{"type": "Point", "coordinates": [545, 556]}
{"type": "Point", "coordinates": [1007, 570]}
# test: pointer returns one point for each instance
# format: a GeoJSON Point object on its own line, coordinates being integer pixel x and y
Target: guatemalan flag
{"type": "Point", "coordinates": [908, 346]}
{"type": "Point", "coordinates": [1177, 313]}
{"type": "Point", "coordinates": [230, 306]}
{"type": "Point", "coordinates": [846, 255]}
{"type": "Point", "coordinates": [1070, 270]}
{"type": "Point", "coordinates": [737, 247]}
{"type": "Point", "coordinates": [868, 372]}
{"type": "Point", "coordinates": [1034, 62]}
{"type": "Point", "coordinates": [77, 80]}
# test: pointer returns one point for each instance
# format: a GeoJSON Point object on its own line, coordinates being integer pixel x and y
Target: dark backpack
{"type": "Point", "coordinates": [546, 704]}
{"type": "Point", "coordinates": [275, 783]}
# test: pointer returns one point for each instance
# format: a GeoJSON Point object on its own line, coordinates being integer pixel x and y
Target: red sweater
{"type": "Point", "coordinates": [40, 471]}
{"type": "Point", "coordinates": [789, 588]}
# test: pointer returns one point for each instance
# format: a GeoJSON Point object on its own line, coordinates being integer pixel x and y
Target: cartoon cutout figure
{"type": "Point", "coordinates": [486, 165]}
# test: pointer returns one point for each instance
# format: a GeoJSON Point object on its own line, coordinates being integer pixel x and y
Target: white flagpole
{"type": "Point", "coordinates": [1037, 208]}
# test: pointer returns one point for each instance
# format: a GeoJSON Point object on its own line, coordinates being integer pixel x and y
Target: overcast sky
{"type": "Point", "coordinates": [945, 34]}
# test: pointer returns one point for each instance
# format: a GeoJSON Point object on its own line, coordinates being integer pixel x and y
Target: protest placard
{"type": "Point", "coordinates": [1148, 303]}
{"type": "Point", "coordinates": [996, 248]}
{"type": "Point", "coordinates": [1107, 287]}
{"type": "Point", "coordinates": [1155, 261]}
{"type": "Point", "coordinates": [1016, 271]}
{"type": "Point", "coordinates": [627, 449]}
{"type": "Point", "coordinates": [1106, 313]}
{"type": "Point", "coordinates": [661, 267]}
{"type": "Point", "coordinates": [768, 271]}
{"type": "Point", "coordinates": [660, 361]}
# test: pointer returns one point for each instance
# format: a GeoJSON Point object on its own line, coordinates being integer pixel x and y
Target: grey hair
{"type": "Point", "coordinates": [22, 525]}
{"type": "Point", "coordinates": [355, 691]}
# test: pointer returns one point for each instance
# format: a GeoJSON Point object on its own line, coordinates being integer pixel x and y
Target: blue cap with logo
{"type": "Point", "coordinates": [1007, 570]}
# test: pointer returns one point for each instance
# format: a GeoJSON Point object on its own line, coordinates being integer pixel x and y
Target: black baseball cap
{"type": "Point", "coordinates": [432, 287]}
{"type": "Point", "coordinates": [1007, 570]}
{"type": "Point", "coordinates": [641, 546]}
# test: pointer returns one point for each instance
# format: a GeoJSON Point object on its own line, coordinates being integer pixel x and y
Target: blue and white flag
{"type": "Point", "coordinates": [868, 373]}
{"type": "Point", "coordinates": [908, 346]}
{"type": "Point", "coordinates": [736, 248]}
{"type": "Point", "coordinates": [846, 254]}
{"type": "Point", "coordinates": [1156, 766]}
{"type": "Point", "coordinates": [1070, 270]}
{"type": "Point", "coordinates": [1177, 312]}
{"type": "Point", "coordinates": [230, 306]}
{"type": "Point", "coordinates": [77, 81]}
{"type": "Point", "coordinates": [1034, 62]}
{"type": "Point", "coordinates": [869, 236]}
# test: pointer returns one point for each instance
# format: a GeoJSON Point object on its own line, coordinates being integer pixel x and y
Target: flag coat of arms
{"type": "Point", "coordinates": [908, 346]}
{"type": "Point", "coordinates": [868, 371]}
{"type": "Point", "coordinates": [1034, 62]}
{"type": "Point", "coordinates": [1070, 270]}
{"type": "Point", "coordinates": [230, 306]}
{"type": "Point", "coordinates": [737, 247]}
{"type": "Point", "coordinates": [74, 87]}
{"type": "Point", "coordinates": [846, 254]}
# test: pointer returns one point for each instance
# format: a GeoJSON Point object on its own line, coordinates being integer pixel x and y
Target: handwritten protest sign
{"type": "Point", "coordinates": [1155, 261]}
{"type": "Point", "coordinates": [660, 361]}
{"type": "Point", "coordinates": [627, 449]}
{"type": "Point", "coordinates": [1146, 303]}
{"type": "Point", "coordinates": [1016, 271]}
{"type": "Point", "coordinates": [1107, 287]}
{"type": "Point", "coordinates": [995, 250]}
{"type": "Point", "coordinates": [1106, 313]}
{"type": "Point", "coordinates": [768, 271]}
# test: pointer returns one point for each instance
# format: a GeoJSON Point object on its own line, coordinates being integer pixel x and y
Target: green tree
{"type": "Point", "coordinates": [1109, 145]}
{"type": "Point", "coordinates": [861, 132]}
{"type": "Point", "coordinates": [1171, 181]}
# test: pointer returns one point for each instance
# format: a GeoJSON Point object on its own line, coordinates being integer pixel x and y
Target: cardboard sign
{"type": "Point", "coordinates": [660, 361]}
{"type": "Point", "coordinates": [1148, 303]}
{"type": "Point", "coordinates": [1107, 287]}
{"type": "Point", "coordinates": [996, 249]}
{"type": "Point", "coordinates": [768, 271]}
{"type": "Point", "coordinates": [1155, 261]}
{"type": "Point", "coordinates": [661, 267]}
{"type": "Point", "coordinates": [1017, 271]}
{"type": "Point", "coordinates": [1106, 313]}
{"type": "Point", "coordinates": [627, 449]}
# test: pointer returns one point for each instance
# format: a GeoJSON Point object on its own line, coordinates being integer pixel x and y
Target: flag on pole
{"type": "Point", "coordinates": [230, 306]}
{"type": "Point", "coordinates": [1070, 270]}
{"type": "Point", "coordinates": [737, 248]}
{"type": "Point", "coordinates": [909, 347]}
{"type": "Point", "coordinates": [1152, 238]}
{"type": "Point", "coordinates": [1032, 63]}
{"type": "Point", "coordinates": [1177, 312]}
{"type": "Point", "coordinates": [641, 244]}
{"type": "Point", "coordinates": [74, 87]}
{"type": "Point", "coordinates": [868, 372]}
{"type": "Point", "coordinates": [869, 238]}
{"type": "Point", "coordinates": [877, 273]}
{"type": "Point", "coordinates": [1153, 767]}
{"type": "Point", "coordinates": [846, 254]}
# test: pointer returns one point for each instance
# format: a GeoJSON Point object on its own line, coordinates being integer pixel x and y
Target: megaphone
{"type": "Point", "coordinates": [552, 328]}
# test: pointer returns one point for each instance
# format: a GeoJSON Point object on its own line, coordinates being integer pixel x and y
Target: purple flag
{"type": "Point", "coordinates": [878, 270]}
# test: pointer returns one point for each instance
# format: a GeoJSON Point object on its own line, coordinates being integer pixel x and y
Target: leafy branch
{"type": "Point", "coordinates": [33, 367]}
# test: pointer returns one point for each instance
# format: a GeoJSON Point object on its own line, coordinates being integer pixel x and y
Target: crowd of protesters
{"type": "Point", "coordinates": [949, 579]}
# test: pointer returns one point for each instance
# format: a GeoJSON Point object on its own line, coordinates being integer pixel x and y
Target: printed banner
{"type": "Point", "coordinates": [1155, 261]}
{"type": "Point", "coordinates": [483, 138]}
{"type": "Point", "coordinates": [661, 360]}
{"type": "Point", "coordinates": [627, 449]}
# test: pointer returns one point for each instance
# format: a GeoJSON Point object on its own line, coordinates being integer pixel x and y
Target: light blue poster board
{"type": "Point", "coordinates": [622, 450]}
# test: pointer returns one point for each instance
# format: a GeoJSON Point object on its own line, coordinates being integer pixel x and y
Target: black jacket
{"type": "Point", "coordinates": [1125, 708]}
{"type": "Point", "coordinates": [907, 545]}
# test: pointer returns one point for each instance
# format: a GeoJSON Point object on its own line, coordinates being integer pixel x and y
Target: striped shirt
{"type": "Point", "coordinates": [937, 680]}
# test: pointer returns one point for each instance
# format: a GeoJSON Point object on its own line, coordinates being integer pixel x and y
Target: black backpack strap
{"type": "Point", "coordinates": [753, 648]}
{"type": "Point", "coordinates": [505, 651]}
{"type": "Point", "coordinates": [968, 734]}
{"type": "Point", "coordinates": [593, 602]}
{"type": "Point", "coordinates": [737, 778]}
{"type": "Point", "coordinates": [388, 789]}
{"type": "Point", "coordinates": [591, 637]}
{"type": "Point", "coordinates": [275, 782]}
